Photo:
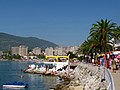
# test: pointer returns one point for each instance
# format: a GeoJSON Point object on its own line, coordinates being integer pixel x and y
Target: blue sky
{"type": "Point", "coordinates": [64, 22]}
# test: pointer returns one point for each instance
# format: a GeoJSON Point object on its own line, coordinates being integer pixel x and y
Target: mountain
{"type": "Point", "coordinates": [7, 41]}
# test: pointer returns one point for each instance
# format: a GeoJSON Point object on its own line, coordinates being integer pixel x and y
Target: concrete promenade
{"type": "Point", "coordinates": [116, 78]}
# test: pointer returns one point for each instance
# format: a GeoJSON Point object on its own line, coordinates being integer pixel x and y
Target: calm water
{"type": "Point", "coordinates": [11, 71]}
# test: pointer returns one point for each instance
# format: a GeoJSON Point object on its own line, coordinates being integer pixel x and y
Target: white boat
{"type": "Point", "coordinates": [15, 85]}
{"type": "Point", "coordinates": [49, 67]}
{"type": "Point", "coordinates": [58, 65]}
{"type": "Point", "coordinates": [56, 62]}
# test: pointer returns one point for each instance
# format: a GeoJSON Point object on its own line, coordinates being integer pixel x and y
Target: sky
{"type": "Point", "coordinates": [63, 22]}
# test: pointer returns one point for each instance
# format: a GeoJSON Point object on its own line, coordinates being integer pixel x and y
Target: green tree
{"type": "Point", "coordinates": [117, 32]}
{"type": "Point", "coordinates": [16, 56]}
{"type": "Point", "coordinates": [99, 39]}
{"type": "Point", "coordinates": [71, 55]}
{"type": "Point", "coordinates": [104, 31]}
{"type": "Point", "coordinates": [41, 56]}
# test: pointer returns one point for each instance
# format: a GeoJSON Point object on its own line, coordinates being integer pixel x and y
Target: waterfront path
{"type": "Point", "coordinates": [116, 78]}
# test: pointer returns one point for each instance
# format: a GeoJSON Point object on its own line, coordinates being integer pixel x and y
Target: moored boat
{"type": "Point", "coordinates": [15, 85]}
{"type": "Point", "coordinates": [53, 66]}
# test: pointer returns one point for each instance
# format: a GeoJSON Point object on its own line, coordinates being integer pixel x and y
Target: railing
{"type": "Point", "coordinates": [106, 74]}
{"type": "Point", "coordinates": [109, 79]}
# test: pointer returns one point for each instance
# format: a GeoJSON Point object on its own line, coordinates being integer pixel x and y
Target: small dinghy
{"type": "Point", "coordinates": [15, 85]}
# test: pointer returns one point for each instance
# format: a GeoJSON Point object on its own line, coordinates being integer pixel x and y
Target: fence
{"type": "Point", "coordinates": [106, 74]}
{"type": "Point", "coordinates": [109, 79]}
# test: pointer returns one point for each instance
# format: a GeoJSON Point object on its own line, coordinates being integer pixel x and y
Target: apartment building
{"type": "Point", "coordinates": [49, 51]}
{"type": "Point", "coordinates": [37, 51]}
{"type": "Point", "coordinates": [15, 50]}
{"type": "Point", "coordinates": [22, 50]}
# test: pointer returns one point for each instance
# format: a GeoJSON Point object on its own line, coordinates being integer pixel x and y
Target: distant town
{"type": "Point", "coordinates": [23, 52]}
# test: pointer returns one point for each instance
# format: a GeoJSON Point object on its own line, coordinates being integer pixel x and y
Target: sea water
{"type": "Point", "coordinates": [11, 71]}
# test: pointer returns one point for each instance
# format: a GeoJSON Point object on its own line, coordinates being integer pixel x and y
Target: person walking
{"type": "Point", "coordinates": [114, 66]}
{"type": "Point", "coordinates": [110, 63]}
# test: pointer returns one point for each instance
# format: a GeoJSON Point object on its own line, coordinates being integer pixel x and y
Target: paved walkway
{"type": "Point", "coordinates": [116, 78]}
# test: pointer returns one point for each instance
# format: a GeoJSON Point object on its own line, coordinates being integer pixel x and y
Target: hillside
{"type": "Point", "coordinates": [7, 41]}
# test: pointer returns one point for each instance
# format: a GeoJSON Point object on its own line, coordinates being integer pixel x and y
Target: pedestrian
{"type": "Point", "coordinates": [93, 61]}
{"type": "Point", "coordinates": [102, 61]}
{"type": "Point", "coordinates": [114, 66]}
{"type": "Point", "coordinates": [110, 63]}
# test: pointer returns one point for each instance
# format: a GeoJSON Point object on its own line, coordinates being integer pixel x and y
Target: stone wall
{"type": "Point", "coordinates": [85, 77]}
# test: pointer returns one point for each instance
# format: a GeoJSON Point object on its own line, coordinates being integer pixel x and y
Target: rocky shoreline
{"type": "Point", "coordinates": [84, 77]}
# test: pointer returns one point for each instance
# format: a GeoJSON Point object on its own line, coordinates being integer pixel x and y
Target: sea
{"type": "Point", "coordinates": [11, 71]}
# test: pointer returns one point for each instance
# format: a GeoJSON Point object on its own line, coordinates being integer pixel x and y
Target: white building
{"type": "Point", "coordinates": [117, 44]}
{"type": "Point", "coordinates": [15, 50]}
{"type": "Point", "coordinates": [23, 50]}
{"type": "Point", "coordinates": [37, 51]}
{"type": "Point", "coordinates": [49, 51]}
{"type": "Point", "coordinates": [72, 49]}
{"type": "Point", "coordinates": [58, 51]}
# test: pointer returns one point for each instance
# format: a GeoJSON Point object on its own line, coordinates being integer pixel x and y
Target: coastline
{"type": "Point", "coordinates": [84, 77]}
{"type": "Point", "coordinates": [13, 71]}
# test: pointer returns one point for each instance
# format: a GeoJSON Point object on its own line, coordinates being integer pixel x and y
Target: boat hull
{"type": "Point", "coordinates": [14, 86]}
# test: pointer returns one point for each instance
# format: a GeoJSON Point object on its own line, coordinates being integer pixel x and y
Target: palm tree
{"type": "Point", "coordinates": [104, 31]}
{"type": "Point", "coordinates": [117, 32]}
{"type": "Point", "coordinates": [99, 39]}
{"type": "Point", "coordinates": [117, 35]}
{"type": "Point", "coordinates": [87, 48]}
{"type": "Point", "coordinates": [84, 48]}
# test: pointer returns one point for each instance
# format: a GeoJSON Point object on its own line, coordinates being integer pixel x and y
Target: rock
{"type": "Point", "coordinates": [85, 78]}
{"type": "Point", "coordinates": [103, 89]}
{"type": "Point", "coordinates": [72, 77]}
{"type": "Point", "coordinates": [77, 81]}
{"type": "Point", "coordinates": [86, 87]}
{"type": "Point", "coordinates": [71, 87]}
{"type": "Point", "coordinates": [78, 88]}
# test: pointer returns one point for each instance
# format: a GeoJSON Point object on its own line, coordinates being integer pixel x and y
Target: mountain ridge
{"type": "Point", "coordinates": [7, 41]}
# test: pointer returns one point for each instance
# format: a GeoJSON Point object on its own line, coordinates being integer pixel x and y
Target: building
{"type": "Point", "coordinates": [49, 51]}
{"type": "Point", "coordinates": [15, 50]}
{"type": "Point", "coordinates": [37, 51]}
{"type": "Point", "coordinates": [23, 50]}
{"type": "Point", "coordinates": [72, 49]}
{"type": "Point", "coordinates": [58, 51]}
{"type": "Point", "coordinates": [117, 44]}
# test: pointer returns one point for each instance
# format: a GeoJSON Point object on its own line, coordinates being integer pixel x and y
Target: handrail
{"type": "Point", "coordinates": [109, 79]}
